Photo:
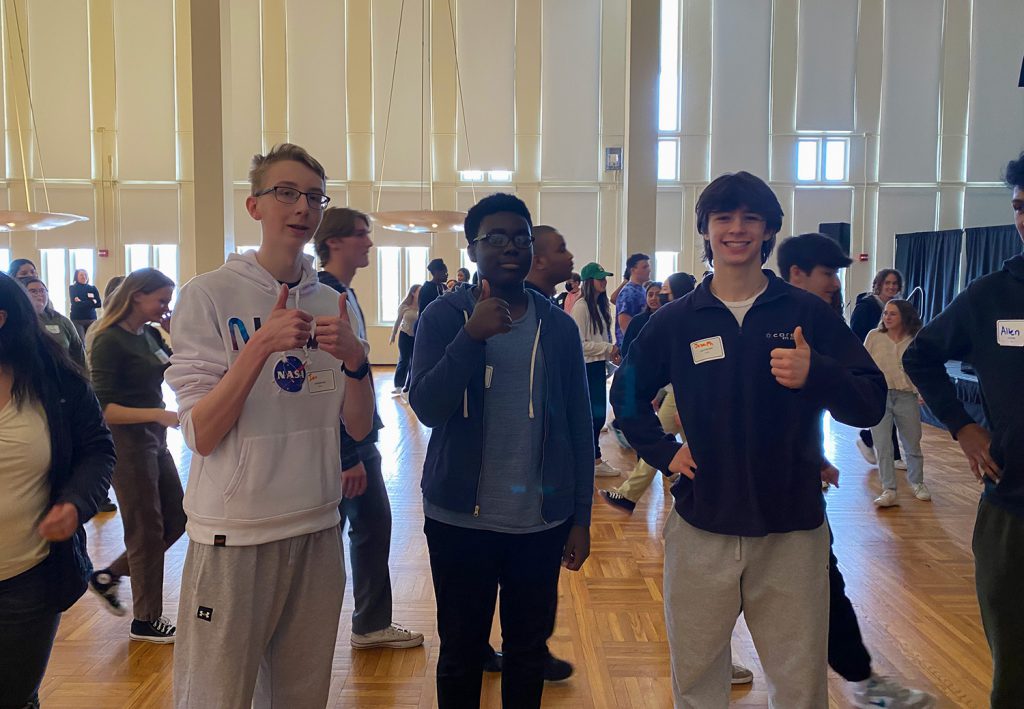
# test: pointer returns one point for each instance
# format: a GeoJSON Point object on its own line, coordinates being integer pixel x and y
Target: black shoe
{"type": "Point", "coordinates": [104, 584]}
{"type": "Point", "coordinates": [617, 500]}
{"type": "Point", "coordinates": [158, 631]}
{"type": "Point", "coordinates": [492, 661]}
{"type": "Point", "coordinates": [556, 670]}
{"type": "Point", "coordinates": [107, 506]}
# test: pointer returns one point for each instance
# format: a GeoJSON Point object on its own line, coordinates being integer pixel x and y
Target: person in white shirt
{"type": "Point", "coordinates": [405, 329]}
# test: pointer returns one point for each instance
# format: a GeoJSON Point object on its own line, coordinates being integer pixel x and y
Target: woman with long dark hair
{"type": "Point", "coordinates": [128, 358]}
{"type": "Point", "coordinates": [56, 458]}
{"type": "Point", "coordinates": [592, 313]}
{"type": "Point", "coordinates": [85, 300]}
{"type": "Point", "coordinates": [886, 345]}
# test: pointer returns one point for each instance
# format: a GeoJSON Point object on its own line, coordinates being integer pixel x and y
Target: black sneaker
{"type": "Point", "coordinates": [104, 584]}
{"type": "Point", "coordinates": [617, 500]}
{"type": "Point", "coordinates": [556, 670]}
{"type": "Point", "coordinates": [158, 631]}
{"type": "Point", "coordinates": [107, 506]}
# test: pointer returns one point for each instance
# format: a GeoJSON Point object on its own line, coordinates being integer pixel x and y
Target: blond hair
{"type": "Point", "coordinates": [283, 151]}
{"type": "Point", "coordinates": [119, 305]}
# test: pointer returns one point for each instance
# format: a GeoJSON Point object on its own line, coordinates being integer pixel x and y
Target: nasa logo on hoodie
{"type": "Point", "coordinates": [290, 374]}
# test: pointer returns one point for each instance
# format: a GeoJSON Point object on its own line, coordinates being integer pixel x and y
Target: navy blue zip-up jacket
{"type": "Point", "coordinates": [757, 444]}
{"type": "Point", "coordinates": [447, 394]}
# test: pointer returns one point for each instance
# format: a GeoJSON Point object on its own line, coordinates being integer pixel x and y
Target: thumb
{"type": "Point", "coordinates": [798, 338]}
{"type": "Point", "coordinates": [282, 298]}
{"type": "Point", "coordinates": [485, 289]}
{"type": "Point", "coordinates": [343, 306]}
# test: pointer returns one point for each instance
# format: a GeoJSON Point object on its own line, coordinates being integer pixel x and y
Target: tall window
{"type": "Point", "coordinates": [5, 259]}
{"type": "Point", "coordinates": [398, 270]}
{"type": "Point", "coordinates": [465, 263]}
{"type": "Point", "coordinates": [664, 264]}
{"type": "Point", "coordinates": [162, 257]}
{"type": "Point", "coordinates": [56, 269]}
{"type": "Point", "coordinates": [669, 92]}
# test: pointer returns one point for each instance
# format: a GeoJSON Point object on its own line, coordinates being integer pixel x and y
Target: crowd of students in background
{"type": "Point", "coordinates": [270, 369]}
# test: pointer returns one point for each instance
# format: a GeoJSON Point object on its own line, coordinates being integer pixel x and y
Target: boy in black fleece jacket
{"type": "Point", "coordinates": [508, 478]}
{"type": "Point", "coordinates": [984, 325]}
{"type": "Point", "coordinates": [753, 362]}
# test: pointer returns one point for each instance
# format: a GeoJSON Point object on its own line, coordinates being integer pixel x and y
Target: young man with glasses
{"type": "Point", "coordinates": [343, 246]}
{"type": "Point", "coordinates": [508, 478]}
{"type": "Point", "coordinates": [753, 362]}
{"type": "Point", "coordinates": [259, 398]}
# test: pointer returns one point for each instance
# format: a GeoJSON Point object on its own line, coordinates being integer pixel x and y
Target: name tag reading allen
{"type": "Point", "coordinates": [1010, 333]}
{"type": "Point", "coordinates": [707, 350]}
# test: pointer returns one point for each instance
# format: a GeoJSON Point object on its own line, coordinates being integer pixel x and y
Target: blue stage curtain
{"type": "Point", "coordinates": [988, 247]}
{"type": "Point", "coordinates": [930, 261]}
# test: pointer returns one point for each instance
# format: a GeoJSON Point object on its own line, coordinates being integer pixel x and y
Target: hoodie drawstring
{"type": "Point", "coordinates": [533, 363]}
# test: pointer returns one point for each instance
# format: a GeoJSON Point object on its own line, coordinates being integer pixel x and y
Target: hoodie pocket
{"type": "Point", "coordinates": [285, 474]}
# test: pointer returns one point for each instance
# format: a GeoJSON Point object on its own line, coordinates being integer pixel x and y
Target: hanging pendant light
{"type": "Point", "coordinates": [29, 219]}
{"type": "Point", "coordinates": [426, 219]}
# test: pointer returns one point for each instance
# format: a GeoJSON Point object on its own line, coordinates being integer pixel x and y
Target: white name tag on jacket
{"type": "Point", "coordinates": [707, 350]}
{"type": "Point", "coordinates": [53, 329]}
{"type": "Point", "coordinates": [1010, 333]}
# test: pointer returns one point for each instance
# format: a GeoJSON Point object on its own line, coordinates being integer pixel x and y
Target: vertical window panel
{"type": "Point", "coordinates": [389, 280]}
{"type": "Point", "coordinates": [664, 264]}
{"type": "Point", "coordinates": [668, 159]}
{"type": "Point", "coordinates": [807, 159]}
{"type": "Point", "coordinates": [416, 258]}
{"type": "Point", "coordinates": [835, 159]}
{"type": "Point", "coordinates": [465, 263]}
{"type": "Point", "coordinates": [5, 259]}
{"type": "Point", "coordinates": [668, 78]}
{"type": "Point", "coordinates": [136, 256]}
{"type": "Point", "coordinates": [54, 272]}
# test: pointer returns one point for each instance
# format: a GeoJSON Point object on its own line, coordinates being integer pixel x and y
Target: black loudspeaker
{"type": "Point", "coordinates": [839, 231]}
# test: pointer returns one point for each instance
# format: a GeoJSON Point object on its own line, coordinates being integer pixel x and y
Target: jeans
{"type": "Point", "coordinates": [27, 628]}
{"type": "Point", "coordinates": [405, 343]}
{"type": "Point", "coordinates": [468, 566]}
{"type": "Point", "coordinates": [597, 378]}
{"type": "Point", "coordinates": [901, 407]}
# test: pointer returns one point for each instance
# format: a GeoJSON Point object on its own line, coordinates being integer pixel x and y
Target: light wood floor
{"type": "Point", "coordinates": [909, 572]}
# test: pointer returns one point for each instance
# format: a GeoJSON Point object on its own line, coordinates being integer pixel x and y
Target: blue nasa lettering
{"type": "Point", "coordinates": [237, 330]}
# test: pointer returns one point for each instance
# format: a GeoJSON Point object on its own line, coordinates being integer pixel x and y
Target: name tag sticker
{"type": "Point", "coordinates": [53, 329]}
{"type": "Point", "coordinates": [707, 350]}
{"type": "Point", "coordinates": [1010, 333]}
{"type": "Point", "coordinates": [488, 376]}
{"type": "Point", "coordinates": [321, 381]}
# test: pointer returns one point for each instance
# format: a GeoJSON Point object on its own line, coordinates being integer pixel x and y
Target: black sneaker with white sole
{"type": "Point", "coordinates": [158, 631]}
{"type": "Point", "coordinates": [104, 584]}
{"type": "Point", "coordinates": [617, 500]}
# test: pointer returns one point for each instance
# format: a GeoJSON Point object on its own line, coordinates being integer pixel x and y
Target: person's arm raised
{"type": "Point", "coordinates": [217, 412]}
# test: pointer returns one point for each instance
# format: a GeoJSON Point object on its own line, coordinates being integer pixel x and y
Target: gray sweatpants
{"type": "Point", "coordinates": [257, 625]}
{"type": "Point", "coordinates": [780, 584]}
{"type": "Point", "coordinates": [369, 546]}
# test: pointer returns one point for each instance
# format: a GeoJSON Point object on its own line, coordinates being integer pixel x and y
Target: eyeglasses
{"type": "Point", "coordinates": [290, 195]}
{"type": "Point", "coordinates": [499, 239]}
{"type": "Point", "coordinates": [37, 291]}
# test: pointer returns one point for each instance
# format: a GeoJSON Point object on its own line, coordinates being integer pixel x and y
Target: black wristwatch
{"type": "Point", "coordinates": [359, 373]}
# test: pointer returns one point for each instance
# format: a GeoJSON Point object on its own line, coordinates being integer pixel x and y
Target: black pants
{"type": "Point", "coordinates": [405, 343]}
{"type": "Point", "coordinates": [28, 626]}
{"type": "Point", "coordinates": [999, 577]}
{"type": "Point", "coordinates": [869, 441]}
{"type": "Point", "coordinates": [468, 566]}
{"type": "Point", "coordinates": [597, 374]}
{"type": "Point", "coordinates": [846, 652]}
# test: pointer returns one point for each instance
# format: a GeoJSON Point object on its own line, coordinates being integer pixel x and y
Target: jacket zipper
{"type": "Point", "coordinates": [483, 427]}
{"type": "Point", "coordinates": [544, 438]}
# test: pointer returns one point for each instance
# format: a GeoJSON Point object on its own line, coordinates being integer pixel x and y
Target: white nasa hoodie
{"type": "Point", "coordinates": [277, 473]}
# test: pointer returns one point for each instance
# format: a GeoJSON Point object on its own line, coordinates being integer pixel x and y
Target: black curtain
{"type": "Point", "coordinates": [929, 260]}
{"type": "Point", "coordinates": [988, 247]}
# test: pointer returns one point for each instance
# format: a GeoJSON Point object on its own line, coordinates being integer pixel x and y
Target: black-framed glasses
{"type": "Point", "coordinates": [499, 239]}
{"type": "Point", "coordinates": [290, 195]}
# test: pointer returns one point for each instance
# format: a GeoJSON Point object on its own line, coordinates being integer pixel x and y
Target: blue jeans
{"type": "Point", "coordinates": [28, 626]}
{"type": "Point", "coordinates": [901, 407]}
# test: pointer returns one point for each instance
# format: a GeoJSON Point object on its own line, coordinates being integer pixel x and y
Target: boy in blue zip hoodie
{"type": "Point", "coordinates": [753, 362]}
{"type": "Point", "coordinates": [508, 478]}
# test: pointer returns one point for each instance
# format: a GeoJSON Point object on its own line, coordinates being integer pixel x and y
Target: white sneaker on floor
{"type": "Point", "coordinates": [922, 492]}
{"type": "Point", "coordinates": [396, 391]}
{"type": "Point", "coordinates": [886, 499]}
{"type": "Point", "coordinates": [741, 675]}
{"type": "Point", "coordinates": [888, 694]}
{"type": "Point", "coordinates": [392, 636]}
{"type": "Point", "coordinates": [900, 465]}
{"type": "Point", "coordinates": [603, 470]}
{"type": "Point", "coordinates": [867, 451]}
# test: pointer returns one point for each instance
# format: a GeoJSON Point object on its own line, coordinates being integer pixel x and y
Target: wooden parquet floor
{"type": "Point", "coordinates": [909, 572]}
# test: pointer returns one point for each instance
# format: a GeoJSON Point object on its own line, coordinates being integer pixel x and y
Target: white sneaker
{"type": "Point", "coordinates": [888, 694]}
{"type": "Point", "coordinates": [405, 397]}
{"type": "Point", "coordinates": [396, 391]}
{"type": "Point", "coordinates": [886, 499]}
{"type": "Point", "coordinates": [603, 470]}
{"type": "Point", "coordinates": [922, 492]}
{"type": "Point", "coordinates": [900, 464]}
{"type": "Point", "coordinates": [392, 636]}
{"type": "Point", "coordinates": [741, 675]}
{"type": "Point", "coordinates": [867, 451]}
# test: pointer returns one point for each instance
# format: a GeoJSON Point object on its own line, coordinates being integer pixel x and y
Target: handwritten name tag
{"type": "Point", "coordinates": [1010, 333]}
{"type": "Point", "coordinates": [707, 350]}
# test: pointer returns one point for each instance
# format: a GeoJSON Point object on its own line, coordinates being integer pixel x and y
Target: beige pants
{"type": "Point", "coordinates": [643, 474]}
{"type": "Point", "coordinates": [257, 625]}
{"type": "Point", "coordinates": [780, 584]}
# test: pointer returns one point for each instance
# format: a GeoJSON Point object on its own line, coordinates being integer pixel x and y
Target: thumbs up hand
{"type": "Point", "coordinates": [285, 329]}
{"type": "Point", "coordinates": [791, 366]}
{"type": "Point", "coordinates": [336, 336]}
{"type": "Point", "coordinates": [490, 317]}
